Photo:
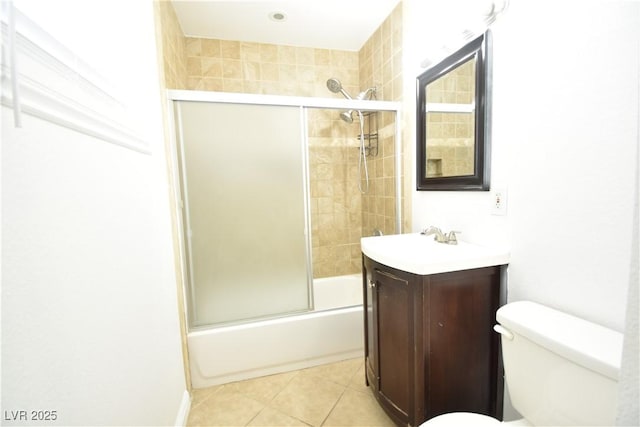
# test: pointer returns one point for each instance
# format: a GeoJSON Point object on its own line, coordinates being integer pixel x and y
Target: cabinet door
{"type": "Point", "coordinates": [394, 316]}
{"type": "Point", "coordinates": [370, 325]}
{"type": "Point", "coordinates": [462, 347]}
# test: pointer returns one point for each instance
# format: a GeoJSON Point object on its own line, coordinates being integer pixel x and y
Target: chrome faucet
{"type": "Point", "coordinates": [452, 239]}
{"type": "Point", "coordinates": [440, 237]}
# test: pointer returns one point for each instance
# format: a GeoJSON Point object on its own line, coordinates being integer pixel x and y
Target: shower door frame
{"type": "Point", "coordinates": [304, 104]}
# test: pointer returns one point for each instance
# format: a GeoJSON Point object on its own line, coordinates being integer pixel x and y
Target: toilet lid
{"type": "Point", "coordinates": [461, 419]}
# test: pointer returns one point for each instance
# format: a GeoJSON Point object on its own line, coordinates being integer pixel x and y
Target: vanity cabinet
{"type": "Point", "coordinates": [430, 347]}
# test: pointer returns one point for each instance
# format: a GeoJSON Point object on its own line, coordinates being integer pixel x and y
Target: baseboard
{"type": "Point", "coordinates": [183, 411]}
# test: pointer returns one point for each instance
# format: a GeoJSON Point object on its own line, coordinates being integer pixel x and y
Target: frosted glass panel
{"type": "Point", "coordinates": [243, 184]}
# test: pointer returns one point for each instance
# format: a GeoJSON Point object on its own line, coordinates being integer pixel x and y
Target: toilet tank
{"type": "Point", "coordinates": [560, 370]}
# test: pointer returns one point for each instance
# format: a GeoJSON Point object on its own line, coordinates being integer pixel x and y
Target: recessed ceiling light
{"type": "Point", "coordinates": [278, 16]}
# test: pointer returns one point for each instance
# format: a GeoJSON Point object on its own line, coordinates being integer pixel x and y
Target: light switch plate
{"type": "Point", "coordinates": [499, 201]}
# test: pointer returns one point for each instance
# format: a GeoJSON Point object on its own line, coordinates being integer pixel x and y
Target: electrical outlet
{"type": "Point", "coordinates": [499, 202]}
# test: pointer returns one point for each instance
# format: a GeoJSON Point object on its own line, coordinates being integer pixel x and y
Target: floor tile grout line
{"type": "Point", "coordinates": [255, 416]}
{"type": "Point", "coordinates": [353, 375]}
{"type": "Point", "coordinates": [333, 407]}
{"type": "Point", "coordinates": [277, 410]}
{"type": "Point", "coordinates": [217, 387]}
{"type": "Point", "coordinates": [285, 386]}
{"type": "Point", "coordinates": [268, 404]}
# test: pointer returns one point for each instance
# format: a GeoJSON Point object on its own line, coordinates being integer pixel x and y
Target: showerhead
{"type": "Point", "coordinates": [347, 116]}
{"type": "Point", "coordinates": [335, 86]}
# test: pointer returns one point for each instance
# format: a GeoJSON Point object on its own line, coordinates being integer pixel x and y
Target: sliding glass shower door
{"type": "Point", "coordinates": [244, 216]}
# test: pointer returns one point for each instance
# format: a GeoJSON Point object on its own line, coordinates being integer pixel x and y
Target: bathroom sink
{"type": "Point", "coordinates": [420, 254]}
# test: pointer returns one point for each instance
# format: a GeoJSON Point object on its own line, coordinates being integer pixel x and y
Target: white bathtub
{"type": "Point", "coordinates": [327, 334]}
{"type": "Point", "coordinates": [335, 292]}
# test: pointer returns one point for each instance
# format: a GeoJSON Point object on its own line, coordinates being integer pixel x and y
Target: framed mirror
{"type": "Point", "coordinates": [453, 116]}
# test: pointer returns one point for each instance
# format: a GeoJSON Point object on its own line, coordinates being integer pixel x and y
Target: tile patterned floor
{"type": "Point", "coordinates": [326, 395]}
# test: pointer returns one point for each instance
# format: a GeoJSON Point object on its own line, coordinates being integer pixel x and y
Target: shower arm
{"type": "Point", "coordinates": [364, 95]}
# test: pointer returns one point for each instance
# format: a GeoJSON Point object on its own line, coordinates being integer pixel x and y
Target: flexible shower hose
{"type": "Point", "coordinates": [362, 159]}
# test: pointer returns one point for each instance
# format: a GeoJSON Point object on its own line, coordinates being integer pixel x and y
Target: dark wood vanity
{"type": "Point", "coordinates": [430, 347]}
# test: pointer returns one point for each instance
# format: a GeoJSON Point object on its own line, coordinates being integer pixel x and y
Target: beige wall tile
{"type": "Point", "coordinates": [268, 53]}
{"type": "Point", "coordinates": [211, 67]}
{"type": "Point", "coordinates": [173, 47]}
{"type": "Point", "coordinates": [211, 48]}
{"type": "Point", "coordinates": [251, 71]}
{"type": "Point", "coordinates": [231, 68]}
{"type": "Point", "coordinates": [250, 52]}
{"type": "Point", "coordinates": [232, 85]}
{"type": "Point", "coordinates": [269, 71]}
{"type": "Point", "coordinates": [230, 49]}
{"type": "Point", "coordinates": [286, 54]}
{"type": "Point", "coordinates": [194, 67]}
{"type": "Point", "coordinates": [211, 84]}
{"type": "Point", "coordinates": [194, 47]}
{"type": "Point", "coordinates": [305, 56]}
{"type": "Point", "coordinates": [322, 57]}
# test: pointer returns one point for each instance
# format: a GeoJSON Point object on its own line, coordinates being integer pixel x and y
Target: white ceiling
{"type": "Point", "coordinates": [326, 24]}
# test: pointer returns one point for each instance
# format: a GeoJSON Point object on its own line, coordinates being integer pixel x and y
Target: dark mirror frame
{"type": "Point", "coordinates": [480, 181]}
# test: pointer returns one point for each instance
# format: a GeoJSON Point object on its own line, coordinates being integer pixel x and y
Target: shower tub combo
{"type": "Point", "coordinates": [327, 334]}
{"type": "Point", "coordinates": [281, 318]}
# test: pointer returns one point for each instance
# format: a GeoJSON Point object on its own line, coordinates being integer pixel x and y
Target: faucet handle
{"type": "Point", "coordinates": [452, 239]}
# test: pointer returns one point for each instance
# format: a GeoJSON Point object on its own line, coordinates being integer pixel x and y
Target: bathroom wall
{"type": "Point", "coordinates": [172, 46]}
{"type": "Point", "coordinates": [380, 60]}
{"type": "Point", "coordinates": [336, 204]}
{"type": "Point", "coordinates": [89, 312]}
{"type": "Point", "coordinates": [565, 134]}
{"type": "Point", "coordinates": [260, 68]}
{"type": "Point", "coordinates": [570, 179]}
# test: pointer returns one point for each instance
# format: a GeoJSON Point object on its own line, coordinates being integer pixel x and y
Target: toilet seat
{"type": "Point", "coordinates": [461, 419]}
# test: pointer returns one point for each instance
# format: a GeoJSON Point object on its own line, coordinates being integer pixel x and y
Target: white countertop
{"type": "Point", "coordinates": [420, 254]}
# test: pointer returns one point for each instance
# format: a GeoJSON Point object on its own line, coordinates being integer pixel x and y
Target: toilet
{"type": "Point", "coordinates": [560, 370]}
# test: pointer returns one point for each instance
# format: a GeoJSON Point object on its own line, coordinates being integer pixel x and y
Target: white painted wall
{"type": "Point", "coordinates": [565, 138]}
{"type": "Point", "coordinates": [89, 313]}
